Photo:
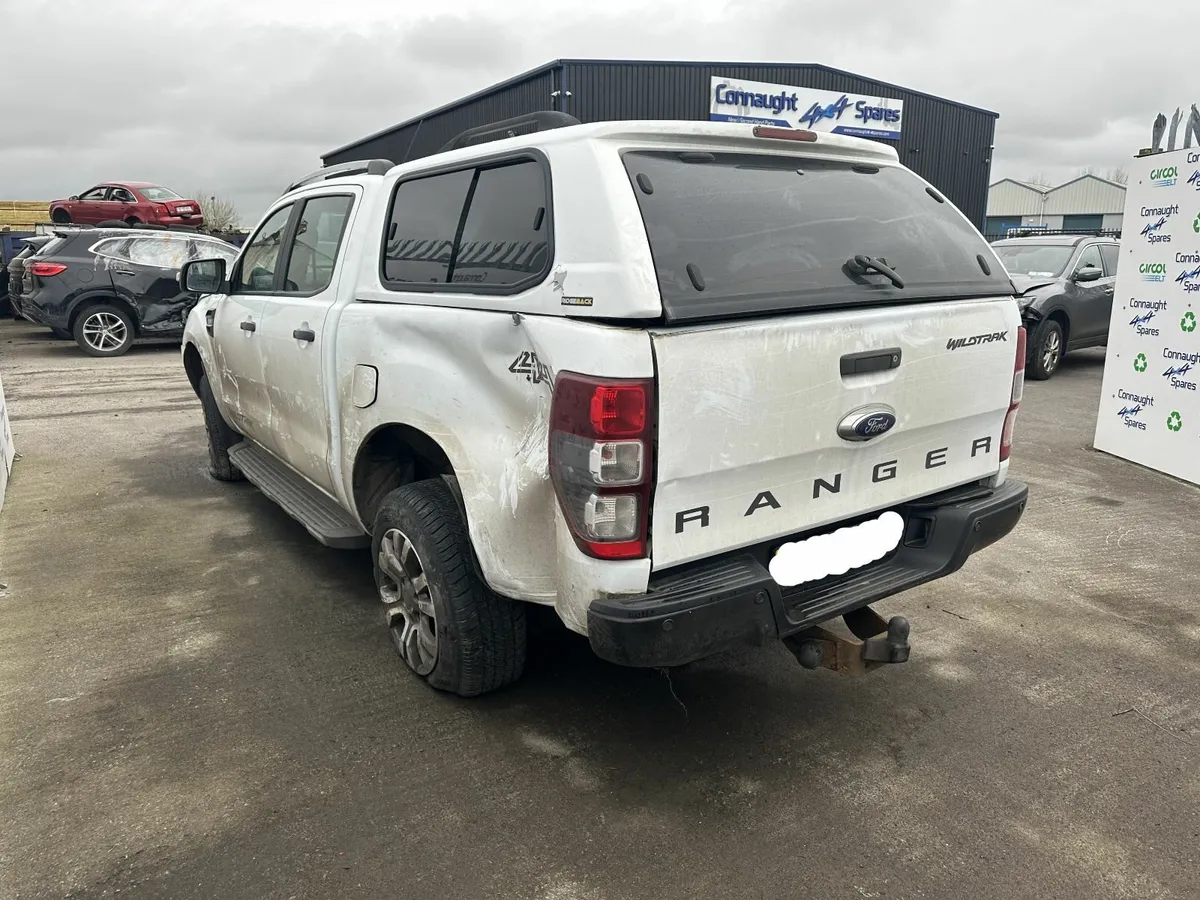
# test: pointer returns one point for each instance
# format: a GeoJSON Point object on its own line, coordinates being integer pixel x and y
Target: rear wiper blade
{"type": "Point", "coordinates": [860, 265]}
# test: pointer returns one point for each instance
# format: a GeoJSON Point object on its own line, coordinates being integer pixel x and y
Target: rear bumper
{"type": "Point", "coordinates": [704, 608]}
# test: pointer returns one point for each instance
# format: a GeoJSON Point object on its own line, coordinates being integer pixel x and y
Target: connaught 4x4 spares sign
{"type": "Point", "coordinates": [1150, 401]}
{"type": "Point", "coordinates": [788, 106]}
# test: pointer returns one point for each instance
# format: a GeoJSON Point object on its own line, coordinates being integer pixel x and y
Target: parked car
{"type": "Point", "coordinates": [726, 425]}
{"type": "Point", "coordinates": [16, 270]}
{"type": "Point", "coordinates": [107, 288]}
{"type": "Point", "coordinates": [133, 202]}
{"type": "Point", "coordinates": [1065, 290]}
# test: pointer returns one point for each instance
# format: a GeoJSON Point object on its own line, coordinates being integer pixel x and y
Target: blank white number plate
{"type": "Point", "coordinates": [838, 552]}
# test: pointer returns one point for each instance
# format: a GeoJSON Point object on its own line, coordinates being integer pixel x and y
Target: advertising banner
{"type": "Point", "coordinates": [1150, 401]}
{"type": "Point", "coordinates": [7, 453]}
{"type": "Point", "coordinates": [788, 106]}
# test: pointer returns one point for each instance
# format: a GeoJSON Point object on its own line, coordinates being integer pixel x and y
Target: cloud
{"type": "Point", "coordinates": [244, 97]}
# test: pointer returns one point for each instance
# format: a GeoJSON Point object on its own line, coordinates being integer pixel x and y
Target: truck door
{"type": "Point", "coordinates": [292, 337]}
{"type": "Point", "coordinates": [236, 341]}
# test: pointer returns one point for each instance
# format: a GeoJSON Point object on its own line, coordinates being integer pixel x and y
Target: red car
{"type": "Point", "coordinates": [135, 202]}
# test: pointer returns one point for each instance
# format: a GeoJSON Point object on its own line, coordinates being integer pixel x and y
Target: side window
{"type": "Point", "coordinates": [113, 248]}
{"type": "Point", "coordinates": [1090, 257]}
{"type": "Point", "coordinates": [198, 248]}
{"type": "Point", "coordinates": [94, 194]}
{"type": "Point", "coordinates": [315, 247]}
{"type": "Point", "coordinates": [1110, 253]}
{"type": "Point", "coordinates": [122, 196]}
{"type": "Point", "coordinates": [422, 226]}
{"type": "Point", "coordinates": [504, 237]}
{"type": "Point", "coordinates": [165, 252]}
{"type": "Point", "coordinates": [256, 272]}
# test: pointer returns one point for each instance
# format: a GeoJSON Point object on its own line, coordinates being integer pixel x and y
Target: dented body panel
{"type": "Point", "coordinates": [752, 415]}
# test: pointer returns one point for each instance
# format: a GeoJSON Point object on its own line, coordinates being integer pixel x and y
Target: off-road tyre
{"type": "Point", "coordinates": [481, 637]}
{"type": "Point", "coordinates": [220, 437]}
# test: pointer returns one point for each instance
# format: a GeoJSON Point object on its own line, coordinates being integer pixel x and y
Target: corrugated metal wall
{"type": "Point", "coordinates": [1085, 195]}
{"type": "Point", "coordinates": [1012, 198]}
{"type": "Point", "coordinates": [425, 136]}
{"type": "Point", "coordinates": [948, 144]}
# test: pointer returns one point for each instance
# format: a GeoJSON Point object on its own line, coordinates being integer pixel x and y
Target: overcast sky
{"type": "Point", "coordinates": [239, 96]}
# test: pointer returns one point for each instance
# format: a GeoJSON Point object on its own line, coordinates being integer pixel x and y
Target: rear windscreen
{"type": "Point", "coordinates": [739, 233]}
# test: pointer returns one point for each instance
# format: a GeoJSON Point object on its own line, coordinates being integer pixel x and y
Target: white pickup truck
{"type": "Point", "coordinates": [691, 384]}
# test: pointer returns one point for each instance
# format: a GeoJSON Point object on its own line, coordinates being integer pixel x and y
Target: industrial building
{"type": "Point", "coordinates": [948, 143]}
{"type": "Point", "coordinates": [1086, 205]}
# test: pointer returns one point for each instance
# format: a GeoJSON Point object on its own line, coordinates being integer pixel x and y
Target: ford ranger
{"type": "Point", "coordinates": [691, 384]}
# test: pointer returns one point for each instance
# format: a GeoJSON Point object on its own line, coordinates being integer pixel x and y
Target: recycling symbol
{"type": "Point", "coordinates": [1174, 421]}
{"type": "Point", "coordinates": [1188, 322]}
{"type": "Point", "coordinates": [1196, 225]}
{"type": "Point", "coordinates": [1139, 364]}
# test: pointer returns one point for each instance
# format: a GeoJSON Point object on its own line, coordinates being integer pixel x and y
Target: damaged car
{"type": "Point", "coordinates": [1065, 289]}
{"type": "Point", "coordinates": [108, 288]}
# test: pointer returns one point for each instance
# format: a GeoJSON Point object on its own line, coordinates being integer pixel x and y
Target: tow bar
{"type": "Point", "coordinates": [875, 643]}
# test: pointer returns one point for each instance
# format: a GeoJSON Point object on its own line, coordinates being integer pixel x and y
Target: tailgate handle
{"type": "Point", "coordinates": [871, 361]}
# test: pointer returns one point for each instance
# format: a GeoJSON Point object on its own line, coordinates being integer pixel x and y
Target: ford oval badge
{"type": "Point", "coordinates": [866, 424]}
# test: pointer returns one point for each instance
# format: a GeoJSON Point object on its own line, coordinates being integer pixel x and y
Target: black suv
{"type": "Point", "coordinates": [1065, 289]}
{"type": "Point", "coordinates": [110, 287]}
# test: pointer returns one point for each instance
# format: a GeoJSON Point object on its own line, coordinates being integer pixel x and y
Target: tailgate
{"type": "Point", "coordinates": [749, 413]}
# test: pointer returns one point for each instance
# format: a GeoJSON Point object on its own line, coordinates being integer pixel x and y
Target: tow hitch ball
{"type": "Point", "coordinates": [875, 643]}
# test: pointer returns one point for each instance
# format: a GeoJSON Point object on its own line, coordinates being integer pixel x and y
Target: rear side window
{"type": "Point", "coordinates": [739, 234]}
{"type": "Point", "coordinates": [481, 230]}
{"type": "Point", "coordinates": [1111, 254]}
{"type": "Point", "coordinates": [424, 223]}
{"type": "Point", "coordinates": [504, 235]}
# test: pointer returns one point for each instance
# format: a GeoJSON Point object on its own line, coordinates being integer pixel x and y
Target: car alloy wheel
{"type": "Point", "coordinates": [1052, 351]}
{"type": "Point", "coordinates": [104, 331]}
{"type": "Point", "coordinates": [404, 590]}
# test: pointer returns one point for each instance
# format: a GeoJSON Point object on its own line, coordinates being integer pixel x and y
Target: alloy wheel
{"type": "Point", "coordinates": [404, 590]}
{"type": "Point", "coordinates": [1051, 351]}
{"type": "Point", "coordinates": [105, 331]}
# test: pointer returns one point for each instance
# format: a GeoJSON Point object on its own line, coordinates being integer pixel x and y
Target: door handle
{"type": "Point", "coordinates": [209, 315]}
{"type": "Point", "coordinates": [125, 272]}
{"type": "Point", "coordinates": [304, 334]}
{"type": "Point", "coordinates": [247, 326]}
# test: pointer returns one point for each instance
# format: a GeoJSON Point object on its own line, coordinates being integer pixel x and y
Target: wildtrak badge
{"type": "Point", "coordinates": [976, 340]}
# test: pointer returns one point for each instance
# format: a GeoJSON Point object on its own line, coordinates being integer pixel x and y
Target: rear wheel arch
{"type": "Point", "coordinates": [394, 455]}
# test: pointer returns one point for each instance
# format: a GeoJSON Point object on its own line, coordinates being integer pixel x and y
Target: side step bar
{"type": "Point", "coordinates": [324, 519]}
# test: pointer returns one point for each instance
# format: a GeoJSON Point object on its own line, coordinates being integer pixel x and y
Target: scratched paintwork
{"type": "Point", "coordinates": [742, 407]}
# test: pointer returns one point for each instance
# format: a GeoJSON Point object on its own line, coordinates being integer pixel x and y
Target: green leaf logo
{"type": "Point", "coordinates": [1196, 225]}
{"type": "Point", "coordinates": [1139, 364]}
{"type": "Point", "coordinates": [1174, 421]}
{"type": "Point", "coordinates": [1188, 322]}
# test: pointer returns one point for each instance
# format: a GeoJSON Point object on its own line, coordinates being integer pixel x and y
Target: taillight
{"type": "Point", "coordinates": [601, 461]}
{"type": "Point", "coordinates": [45, 269]}
{"type": "Point", "coordinates": [162, 209]}
{"type": "Point", "coordinates": [1014, 404]}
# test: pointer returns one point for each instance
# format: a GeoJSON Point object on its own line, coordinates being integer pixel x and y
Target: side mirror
{"type": "Point", "coordinates": [73, 197]}
{"type": "Point", "coordinates": [1088, 273]}
{"type": "Point", "coordinates": [202, 276]}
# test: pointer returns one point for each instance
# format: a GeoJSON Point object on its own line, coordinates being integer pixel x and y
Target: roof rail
{"type": "Point", "coordinates": [542, 120]}
{"type": "Point", "coordinates": [356, 167]}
